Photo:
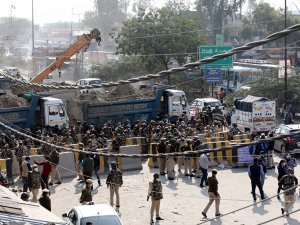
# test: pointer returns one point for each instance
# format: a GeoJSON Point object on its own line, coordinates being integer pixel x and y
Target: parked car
{"type": "Point", "coordinates": [288, 144]}
{"type": "Point", "coordinates": [48, 80]}
{"type": "Point", "coordinates": [96, 214]}
{"type": "Point", "coordinates": [12, 71]}
{"type": "Point", "coordinates": [198, 104]}
{"type": "Point", "coordinates": [89, 81]}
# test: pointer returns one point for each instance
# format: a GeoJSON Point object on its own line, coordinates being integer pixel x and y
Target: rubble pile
{"type": "Point", "coordinates": [122, 92]}
{"type": "Point", "coordinates": [18, 88]}
{"type": "Point", "coordinates": [7, 101]}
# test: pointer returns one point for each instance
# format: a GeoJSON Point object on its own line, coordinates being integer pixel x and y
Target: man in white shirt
{"type": "Point", "coordinates": [204, 164]}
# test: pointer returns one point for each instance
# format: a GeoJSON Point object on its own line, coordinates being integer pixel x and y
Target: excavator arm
{"type": "Point", "coordinates": [82, 42]}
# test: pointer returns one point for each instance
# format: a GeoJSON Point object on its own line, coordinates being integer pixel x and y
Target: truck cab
{"type": "Point", "coordinates": [51, 112]}
{"type": "Point", "coordinates": [174, 104]}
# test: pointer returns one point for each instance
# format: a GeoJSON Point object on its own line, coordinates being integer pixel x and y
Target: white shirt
{"type": "Point", "coordinates": [203, 161]}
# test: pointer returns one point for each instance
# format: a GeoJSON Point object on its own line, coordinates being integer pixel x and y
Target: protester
{"type": "Point", "coordinates": [54, 159]}
{"type": "Point", "coordinates": [282, 171]}
{"type": "Point", "coordinates": [288, 183]}
{"type": "Point", "coordinates": [34, 182]}
{"type": "Point", "coordinates": [87, 167]}
{"type": "Point", "coordinates": [255, 172]}
{"type": "Point", "coordinates": [213, 194]}
{"type": "Point", "coordinates": [26, 168]}
{"type": "Point", "coordinates": [47, 168]}
{"type": "Point", "coordinates": [204, 165]}
{"type": "Point", "coordinates": [44, 200]}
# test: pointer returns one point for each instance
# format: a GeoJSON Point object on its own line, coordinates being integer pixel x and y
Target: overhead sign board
{"type": "Point", "coordinates": [212, 75]}
{"type": "Point", "coordinates": [208, 51]}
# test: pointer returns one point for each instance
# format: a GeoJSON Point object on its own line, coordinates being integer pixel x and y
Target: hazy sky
{"type": "Point", "coordinates": [48, 11]}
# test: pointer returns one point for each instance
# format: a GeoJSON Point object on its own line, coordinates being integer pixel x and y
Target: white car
{"type": "Point", "coordinates": [13, 71]}
{"type": "Point", "coordinates": [198, 104]}
{"type": "Point", "coordinates": [95, 214]}
{"type": "Point", "coordinates": [89, 81]}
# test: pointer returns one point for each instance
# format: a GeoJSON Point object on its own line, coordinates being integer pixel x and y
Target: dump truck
{"type": "Point", "coordinates": [166, 103]}
{"type": "Point", "coordinates": [41, 112]}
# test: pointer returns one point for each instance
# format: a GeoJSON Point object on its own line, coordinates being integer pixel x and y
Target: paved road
{"type": "Point", "coordinates": [183, 199]}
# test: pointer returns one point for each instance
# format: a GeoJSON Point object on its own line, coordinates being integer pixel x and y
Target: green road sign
{"type": "Point", "coordinates": [208, 51]}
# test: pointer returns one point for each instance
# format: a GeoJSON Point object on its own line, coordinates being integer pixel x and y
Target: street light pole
{"type": "Point", "coordinates": [32, 27]}
{"type": "Point", "coordinates": [285, 56]}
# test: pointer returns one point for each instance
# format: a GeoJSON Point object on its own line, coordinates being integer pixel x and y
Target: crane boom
{"type": "Point", "coordinates": [82, 42]}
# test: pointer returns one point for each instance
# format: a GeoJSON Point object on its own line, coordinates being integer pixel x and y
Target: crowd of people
{"type": "Point", "coordinates": [177, 137]}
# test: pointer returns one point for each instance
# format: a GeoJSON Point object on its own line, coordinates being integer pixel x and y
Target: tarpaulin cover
{"type": "Point", "coordinates": [245, 104]}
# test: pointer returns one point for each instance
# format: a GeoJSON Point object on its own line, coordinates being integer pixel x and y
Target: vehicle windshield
{"type": "Point", "coordinates": [95, 82]}
{"type": "Point", "coordinates": [101, 220]}
{"type": "Point", "coordinates": [214, 104]}
{"type": "Point", "coordinates": [195, 104]}
{"type": "Point", "coordinates": [177, 100]}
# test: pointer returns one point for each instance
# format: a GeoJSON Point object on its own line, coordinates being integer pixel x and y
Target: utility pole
{"type": "Point", "coordinates": [32, 26]}
{"type": "Point", "coordinates": [285, 56]}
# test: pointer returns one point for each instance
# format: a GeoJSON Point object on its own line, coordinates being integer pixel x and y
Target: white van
{"type": "Point", "coordinates": [88, 81]}
{"type": "Point", "coordinates": [198, 104]}
{"type": "Point", "coordinates": [95, 214]}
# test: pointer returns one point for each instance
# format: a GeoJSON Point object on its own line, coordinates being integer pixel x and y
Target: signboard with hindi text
{"type": "Point", "coordinates": [208, 51]}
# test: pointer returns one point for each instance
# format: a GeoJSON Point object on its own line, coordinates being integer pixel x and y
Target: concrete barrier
{"type": "Point", "coordinates": [67, 165]}
{"type": "Point", "coordinates": [6, 164]}
{"type": "Point", "coordinates": [220, 156]}
{"type": "Point", "coordinates": [140, 141]}
{"type": "Point", "coordinates": [126, 164]}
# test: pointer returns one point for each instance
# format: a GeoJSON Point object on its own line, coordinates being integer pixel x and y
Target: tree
{"type": "Point", "coordinates": [161, 35]}
{"type": "Point", "coordinates": [265, 20]}
{"type": "Point", "coordinates": [14, 26]}
{"type": "Point", "coordinates": [216, 12]}
{"type": "Point", "coordinates": [107, 17]}
{"type": "Point", "coordinates": [139, 6]}
{"type": "Point", "coordinates": [125, 68]}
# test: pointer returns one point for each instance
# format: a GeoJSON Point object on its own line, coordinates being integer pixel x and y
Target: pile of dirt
{"type": "Point", "coordinates": [7, 101]}
{"type": "Point", "coordinates": [122, 92]}
{"type": "Point", "coordinates": [18, 88]}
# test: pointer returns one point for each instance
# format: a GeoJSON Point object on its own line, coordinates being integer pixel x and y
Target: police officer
{"type": "Point", "coordinates": [286, 183]}
{"type": "Point", "coordinates": [188, 160]}
{"type": "Point", "coordinates": [114, 180]}
{"type": "Point", "coordinates": [155, 191]}
{"type": "Point", "coordinates": [161, 148]}
{"type": "Point", "coordinates": [170, 163]}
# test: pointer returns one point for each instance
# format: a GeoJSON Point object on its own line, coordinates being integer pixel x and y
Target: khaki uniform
{"type": "Point", "coordinates": [285, 183]}
{"type": "Point", "coordinates": [161, 148]}
{"type": "Point", "coordinates": [170, 163]}
{"type": "Point", "coordinates": [187, 162]}
{"type": "Point", "coordinates": [114, 180]}
{"type": "Point", "coordinates": [155, 191]}
{"type": "Point", "coordinates": [180, 159]}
